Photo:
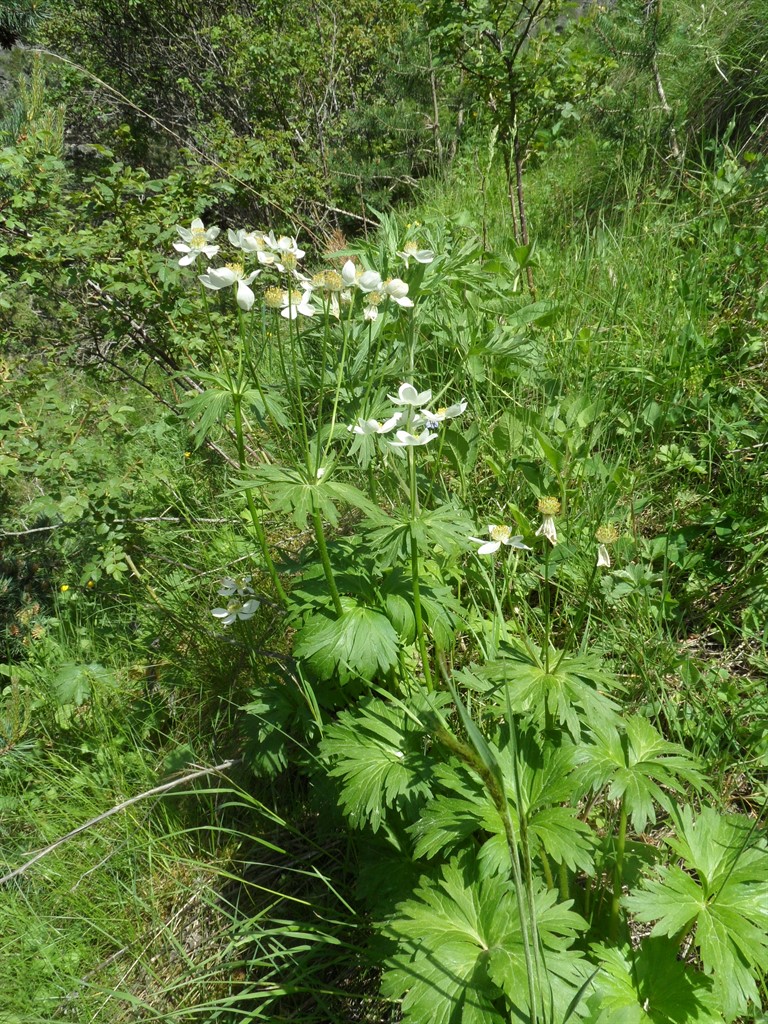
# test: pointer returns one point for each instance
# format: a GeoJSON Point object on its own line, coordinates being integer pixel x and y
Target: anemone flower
{"type": "Point", "coordinates": [224, 277]}
{"type": "Point", "coordinates": [195, 242]}
{"type": "Point", "coordinates": [499, 535]}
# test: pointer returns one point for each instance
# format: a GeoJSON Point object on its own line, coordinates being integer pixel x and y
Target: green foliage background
{"type": "Point", "coordinates": [471, 788]}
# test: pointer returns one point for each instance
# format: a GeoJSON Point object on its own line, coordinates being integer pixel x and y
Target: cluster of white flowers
{"type": "Point", "coordinates": [242, 605]}
{"type": "Point", "coordinates": [282, 254]}
{"type": "Point", "coordinates": [411, 414]}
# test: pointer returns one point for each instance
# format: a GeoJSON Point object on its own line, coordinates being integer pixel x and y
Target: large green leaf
{"type": "Point", "coordinates": [649, 985]}
{"type": "Point", "coordinates": [571, 690]}
{"type": "Point", "coordinates": [460, 956]}
{"type": "Point", "coordinates": [727, 901]}
{"type": "Point", "coordinates": [635, 762]}
{"type": "Point", "coordinates": [378, 751]}
{"type": "Point", "coordinates": [360, 644]}
{"type": "Point", "coordinates": [300, 495]}
{"type": "Point", "coordinates": [545, 788]}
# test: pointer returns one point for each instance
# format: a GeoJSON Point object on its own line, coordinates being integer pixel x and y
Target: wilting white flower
{"type": "Point", "coordinates": [195, 242]}
{"type": "Point", "coordinates": [548, 529]}
{"type": "Point", "coordinates": [433, 419]}
{"type": "Point", "coordinates": [248, 241]}
{"type": "Point", "coordinates": [549, 508]}
{"type": "Point", "coordinates": [295, 303]}
{"type": "Point", "coordinates": [408, 395]}
{"type": "Point", "coordinates": [223, 277]}
{"type": "Point", "coordinates": [499, 535]}
{"type": "Point", "coordinates": [397, 290]}
{"type": "Point", "coordinates": [411, 251]}
{"type": "Point", "coordinates": [236, 609]}
{"type": "Point", "coordinates": [407, 440]}
{"type": "Point", "coordinates": [365, 427]}
{"type": "Point", "coordinates": [606, 534]}
{"type": "Point", "coordinates": [232, 585]}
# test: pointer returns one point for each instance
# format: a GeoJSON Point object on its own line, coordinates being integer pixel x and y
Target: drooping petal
{"type": "Point", "coordinates": [245, 297]}
{"type": "Point", "coordinates": [603, 558]}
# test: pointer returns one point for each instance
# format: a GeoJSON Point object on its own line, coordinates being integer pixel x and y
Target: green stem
{"type": "Point", "coordinates": [565, 887]}
{"type": "Point", "coordinates": [495, 789]}
{"type": "Point", "coordinates": [547, 869]}
{"type": "Point", "coordinates": [317, 522]}
{"type": "Point", "coordinates": [253, 511]}
{"type": "Point", "coordinates": [547, 609]}
{"type": "Point", "coordinates": [618, 872]}
{"type": "Point", "coordinates": [415, 573]}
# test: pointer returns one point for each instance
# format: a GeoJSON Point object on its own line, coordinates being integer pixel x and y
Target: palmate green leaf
{"type": "Point", "coordinates": [649, 985]}
{"type": "Point", "coordinates": [360, 644]}
{"type": "Point", "coordinates": [465, 808]}
{"type": "Point", "coordinates": [294, 492]}
{"type": "Point", "coordinates": [460, 956]}
{"type": "Point", "coordinates": [572, 690]}
{"type": "Point", "coordinates": [727, 902]}
{"type": "Point", "coordinates": [635, 763]}
{"type": "Point", "coordinates": [378, 751]}
{"type": "Point", "coordinates": [446, 527]}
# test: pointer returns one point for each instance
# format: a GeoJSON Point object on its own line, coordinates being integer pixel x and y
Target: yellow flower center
{"type": "Point", "coordinates": [273, 298]}
{"type": "Point", "coordinates": [198, 240]}
{"type": "Point", "coordinates": [607, 535]}
{"type": "Point", "coordinates": [236, 268]}
{"type": "Point", "coordinates": [500, 534]}
{"type": "Point", "coordinates": [289, 261]}
{"type": "Point", "coordinates": [374, 298]}
{"type": "Point", "coordinates": [549, 506]}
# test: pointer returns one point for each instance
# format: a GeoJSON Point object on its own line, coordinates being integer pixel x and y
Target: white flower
{"type": "Point", "coordinates": [239, 585]}
{"type": "Point", "coordinates": [223, 277]}
{"type": "Point", "coordinates": [248, 241]}
{"type": "Point", "coordinates": [499, 535]}
{"type": "Point", "coordinates": [408, 395]}
{"type": "Point", "coordinates": [370, 281]}
{"type": "Point", "coordinates": [236, 609]}
{"type": "Point", "coordinates": [548, 529]}
{"type": "Point", "coordinates": [397, 290]}
{"type": "Point", "coordinates": [411, 251]}
{"type": "Point", "coordinates": [282, 245]}
{"type": "Point", "coordinates": [407, 440]}
{"type": "Point", "coordinates": [365, 427]}
{"type": "Point", "coordinates": [371, 311]}
{"type": "Point", "coordinates": [432, 419]}
{"type": "Point", "coordinates": [195, 242]}
{"type": "Point", "coordinates": [295, 303]}
{"type": "Point", "coordinates": [349, 274]}
{"type": "Point", "coordinates": [603, 558]}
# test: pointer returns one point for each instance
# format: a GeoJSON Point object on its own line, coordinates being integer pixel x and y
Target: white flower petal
{"type": "Point", "coordinates": [408, 395]}
{"type": "Point", "coordinates": [245, 297]}
{"type": "Point", "coordinates": [407, 440]}
{"type": "Point", "coordinates": [349, 274]}
{"type": "Point", "coordinates": [369, 281]}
